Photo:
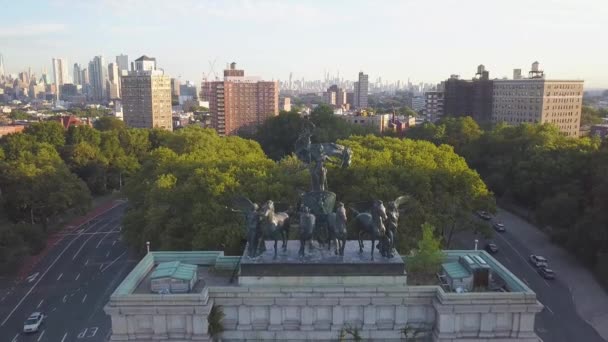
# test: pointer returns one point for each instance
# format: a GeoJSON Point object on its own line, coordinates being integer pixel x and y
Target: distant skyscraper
{"type": "Point", "coordinates": [84, 77]}
{"type": "Point", "coordinates": [113, 82]}
{"type": "Point", "coordinates": [123, 63]}
{"type": "Point", "coordinates": [77, 74]}
{"type": "Point", "coordinates": [60, 74]}
{"type": "Point", "coordinates": [1, 66]}
{"type": "Point", "coordinates": [240, 103]}
{"type": "Point", "coordinates": [360, 91]}
{"type": "Point", "coordinates": [146, 96]}
{"type": "Point", "coordinates": [145, 63]}
{"type": "Point", "coordinates": [98, 74]}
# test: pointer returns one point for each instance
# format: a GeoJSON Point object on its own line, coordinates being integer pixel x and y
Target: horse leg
{"type": "Point", "coordinates": [302, 244]}
{"type": "Point", "coordinates": [275, 247]}
{"type": "Point", "coordinates": [361, 243]}
{"type": "Point", "coordinates": [342, 245]}
{"type": "Point", "coordinates": [373, 243]}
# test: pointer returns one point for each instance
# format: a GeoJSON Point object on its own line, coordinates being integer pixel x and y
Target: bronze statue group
{"type": "Point", "coordinates": [320, 217]}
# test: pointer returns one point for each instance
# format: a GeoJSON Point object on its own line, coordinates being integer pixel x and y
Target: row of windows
{"type": "Point", "coordinates": [519, 93]}
{"type": "Point", "coordinates": [564, 93]}
{"type": "Point", "coordinates": [518, 86]}
{"type": "Point", "coordinates": [564, 86]}
{"type": "Point", "coordinates": [577, 100]}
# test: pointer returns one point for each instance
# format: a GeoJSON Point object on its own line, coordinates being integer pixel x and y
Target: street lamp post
{"type": "Point", "coordinates": [476, 241]}
{"type": "Point", "coordinates": [148, 246]}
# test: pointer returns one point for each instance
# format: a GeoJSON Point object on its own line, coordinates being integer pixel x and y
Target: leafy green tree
{"type": "Point", "coordinates": [427, 258]}
{"type": "Point", "coordinates": [135, 142]}
{"type": "Point", "coordinates": [19, 115]}
{"type": "Point", "coordinates": [50, 132]}
{"type": "Point", "coordinates": [83, 133]}
{"type": "Point", "coordinates": [37, 186]}
{"type": "Point", "coordinates": [278, 134]}
{"type": "Point", "coordinates": [444, 191]}
{"type": "Point", "coordinates": [407, 111]}
{"type": "Point", "coordinates": [185, 185]}
{"type": "Point", "coordinates": [591, 116]}
{"type": "Point", "coordinates": [330, 127]}
{"type": "Point", "coordinates": [109, 123]}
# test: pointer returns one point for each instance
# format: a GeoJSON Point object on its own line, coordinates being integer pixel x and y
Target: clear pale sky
{"type": "Point", "coordinates": [423, 40]}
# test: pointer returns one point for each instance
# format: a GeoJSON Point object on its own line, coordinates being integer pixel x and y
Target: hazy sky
{"type": "Point", "coordinates": [422, 40]}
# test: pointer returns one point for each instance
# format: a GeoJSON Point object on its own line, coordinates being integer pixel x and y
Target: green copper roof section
{"type": "Point", "coordinates": [455, 270]}
{"type": "Point", "coordinates": [148, 262]}
{"type": "Point", "coordinates": [175, 270]}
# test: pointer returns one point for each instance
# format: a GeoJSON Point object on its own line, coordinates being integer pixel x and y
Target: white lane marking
{"type": "Point", "coordinates": [548, 308]}
{"type": "Point", "coordinates": [41, 334]}
{"type": "Point", "coordinates": [525, 281]}
{"type": "Point", "coordinates": [77, 276]}
{"type": "Point", "coordinates": [15, 338]}
{"type": "Point", "coordinates": [47, 270]}
{"type": "Point", "coordinates": [113, 261]}
{"type": "Point", "coordinates": [61, 275]}
{"type": "Point", "coordinates": [521, 256]}
{"type": "Point", "coordinates": [108, 254]}
{"type": "Point", "coordinates": [37, 282]}
{"type": "Point", "coordinates": [113, 242]}
{"type": "Point", "coordinates": [64, 337]}
{"type": "Point", "coordinates": [100, 240]}
{"type": "Point", "coordinates": [2, 300]}
{"type": "Point", "coordinates": [40, 304]}
{"type": "Point", "coordinates": [84, 244]}
{"type": "Point", "coordinates": [84, 298]}
{"type": "Point", "coordinates": [65, 298]}
{"type": "Point", "coordinates": [32, 277]}
{"type": "Point", "coordinates": [86, 262]}
{"type": "Point", "coordinates": [101, 266]}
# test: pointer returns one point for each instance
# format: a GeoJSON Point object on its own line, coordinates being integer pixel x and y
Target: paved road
{"type": "Point", "coordinates": [70, 285]}
{"type": "Point", "coordinates": [559, 320]}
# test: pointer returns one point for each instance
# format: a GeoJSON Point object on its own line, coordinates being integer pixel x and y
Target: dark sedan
{"type": "Point", "coordinates": [491, 248]}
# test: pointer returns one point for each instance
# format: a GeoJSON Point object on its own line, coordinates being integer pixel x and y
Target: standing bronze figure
{"type": "Point", "coordinates": [392, 222]}
{"type": "Point", "coordinates": [319, 199]}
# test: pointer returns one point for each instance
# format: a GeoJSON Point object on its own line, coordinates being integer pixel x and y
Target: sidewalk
{"type": "Point", "coordinates": [32, 260]}
{"type": "Point", "coordinates": [589, 297]}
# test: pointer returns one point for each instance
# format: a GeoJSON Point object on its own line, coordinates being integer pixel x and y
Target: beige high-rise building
{"type": "Point", "coordinates": [146, 96]}
{"type": "Point", "coordinates": [537, 100]}
{"type": "Point", "coordinates": [239, 103]}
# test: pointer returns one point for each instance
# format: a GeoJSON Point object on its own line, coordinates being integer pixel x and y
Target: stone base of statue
{"type": "Point", "coordinates": [321, 267]}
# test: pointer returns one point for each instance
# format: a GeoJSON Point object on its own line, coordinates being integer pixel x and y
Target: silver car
{"type": "Point", "coordinates": [33, 323]}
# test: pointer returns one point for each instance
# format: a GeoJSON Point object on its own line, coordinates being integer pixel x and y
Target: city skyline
{"type": "Point", "coordinates": [393, 40]}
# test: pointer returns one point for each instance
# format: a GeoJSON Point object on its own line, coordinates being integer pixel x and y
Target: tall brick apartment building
{"type": "Point", "coordinates": [239, 103]}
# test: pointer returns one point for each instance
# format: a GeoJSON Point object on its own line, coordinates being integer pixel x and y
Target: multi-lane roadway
{"type": "Point", "coordinates": [559, 320]}
{"type": "Point", "coordinates": [70, 285]}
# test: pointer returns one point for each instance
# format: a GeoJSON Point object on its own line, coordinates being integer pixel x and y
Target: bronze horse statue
{"type": "Point", "coordinates": [372, 225]}
{"type": "Point", "coordinates": [274, 225]}
{"type": "Point", "coordinates": [337, 228]}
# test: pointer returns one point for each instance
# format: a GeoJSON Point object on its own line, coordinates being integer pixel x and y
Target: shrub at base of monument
{"type": "Point", "coordinates": [216, 326]}
{"type": "Point", "coordinates": [426, 260]}
{"type": "Point", "coordinates": [349, 333]}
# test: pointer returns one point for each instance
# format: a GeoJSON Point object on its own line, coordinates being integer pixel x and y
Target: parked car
{"type": "Point", "coordinates": [546, 272]}
{"type": "Point", "coordinates": [499, 227]}
{"type": "Point", "coordinates": [33, 323]}
{"type": "Point", "coordinates": [484, 215]}
{"type": "Point", "coordinates": [491, 248]}
{"type": "Point", "coordinates": [538, 261]}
